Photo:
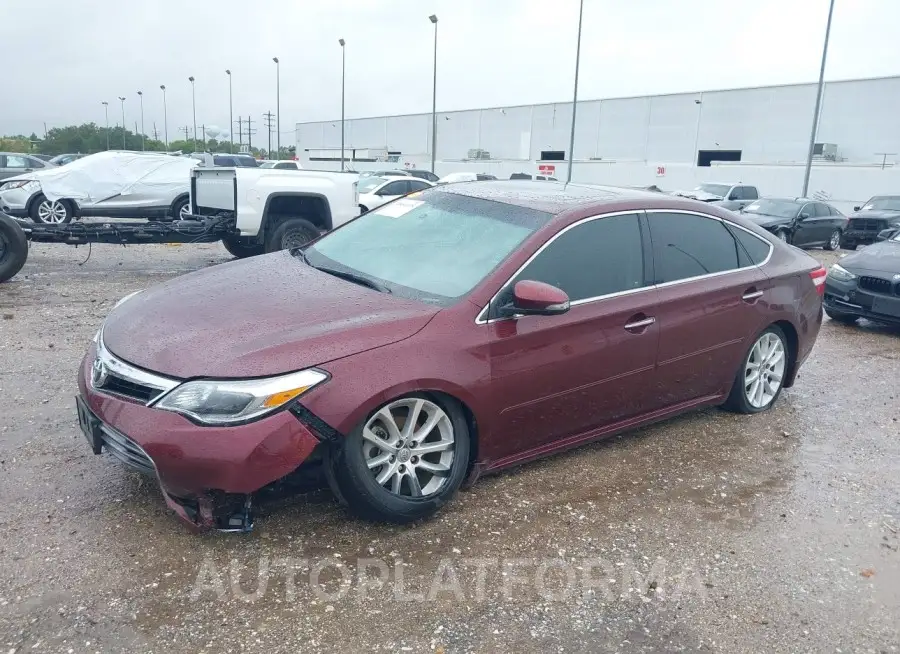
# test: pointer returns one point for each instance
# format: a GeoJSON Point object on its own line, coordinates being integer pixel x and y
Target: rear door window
{"type": "Point", "coordinates": [690, 245]}
{"type": "Point", "coordinates": [753, 250]}
{"type": "Point", "coordinates": [750, 193]}
{"type": "Point", "coordinates": [400, 187]}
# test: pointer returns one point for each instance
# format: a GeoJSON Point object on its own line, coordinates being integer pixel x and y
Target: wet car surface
{"type": "Point", "coordinates": [710, 532]}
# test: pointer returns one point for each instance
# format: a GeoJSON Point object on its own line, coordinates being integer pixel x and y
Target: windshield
{"type": "Point", "coordinates": [714, 189]}
{"type": "Point", "coordinates": [267, 164]}
{"type": "Point", "coordinates": [886, 203]}
{"type": "Point", "coordinates": [370, 183]}
{"type": "Point", "coordinates": [777, 208]}
{"type": "Point", "coordinates": [432, 246]}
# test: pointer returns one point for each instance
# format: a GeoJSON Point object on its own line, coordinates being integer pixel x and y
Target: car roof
{"type": "Point", "coordinates": [553, 197]}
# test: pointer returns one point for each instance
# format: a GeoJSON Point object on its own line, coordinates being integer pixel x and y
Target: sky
{"type": "Point", "coordinates": [490, 53]}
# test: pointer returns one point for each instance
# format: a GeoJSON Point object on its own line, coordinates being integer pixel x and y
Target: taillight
{"type": "Point", "coordinates": [818, 279]}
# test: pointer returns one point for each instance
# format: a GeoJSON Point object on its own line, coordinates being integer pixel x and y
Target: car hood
{"type": "Point", "coordinates": [883, 257]}
{"type": "Point", "coordinates": [762, 219]}
{"type": "Point", "coordinates": [256, 317]}
{"type": "Point", "coordinates": [879, 214]}
{"type": "Point", "coordinates": [698, 195]}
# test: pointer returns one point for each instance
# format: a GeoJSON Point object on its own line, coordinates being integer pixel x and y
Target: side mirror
{"type": "Point", "coordinates": [857, 208]}
{"type": "Point", "coordinates": [804, 216]}
{"type": "Point", "coordinates": [532, 298]}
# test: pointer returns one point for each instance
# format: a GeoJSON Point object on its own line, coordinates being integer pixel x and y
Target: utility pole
{"type": "Point", "coordinates": [575, 96]}
{"type": "Point", "coordinates": [155, 132]}
{"type": "Point", "coordinates": [240, 133]}
{"type": "Point", "coordinates": [815, 122]}
{"type": "Point", "coordinates": [141, 96]}
{"type": "Point", "coordinates": [269, 124]}
{"type": "Point", "coordinates": [187, 130]}
{"type": "Point", "coordinates": [250, 133]}
{"type": "Point", "coordinates": [203, 132]}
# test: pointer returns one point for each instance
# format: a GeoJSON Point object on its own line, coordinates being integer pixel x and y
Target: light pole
{"type": "Point", "coordinates": [165, 116]}
{"type": "Point", "coordinates": [343, 71]}
{"type": "Point", "coordinates": [124, 146]}
{"type": "Point", "coordinates": [575, 95]}
{"type": "Point", "coordinates": [141, 96]}
{"type": "Point", "coordinates": [277, 105]}
{"type": "Point", "coordinates": [815, 122]}
{"type": "Point", "coordinates": [230, 114]}
{"type": "Point", "coordinates": [434, 20]}
{"type": "Point", "coordinates": [194, 105]}
{"type": "Point", "coordinates": [106, 111]}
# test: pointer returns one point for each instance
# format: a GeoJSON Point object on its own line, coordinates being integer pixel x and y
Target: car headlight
{"type": "Point", "coordinates": [8, 186]}
{"type": "Point", "coordinates": [841, 274]}
{"type": "Point", "coordinates": [212, 402]}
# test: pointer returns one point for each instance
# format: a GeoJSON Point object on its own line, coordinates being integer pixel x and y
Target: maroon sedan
{"type": "Point", "coordinates": [450, 333]}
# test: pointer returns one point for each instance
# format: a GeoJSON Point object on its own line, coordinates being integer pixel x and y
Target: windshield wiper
{"type": "Point", "coordinates": [356, 278]}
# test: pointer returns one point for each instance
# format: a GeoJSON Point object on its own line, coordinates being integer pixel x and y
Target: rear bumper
{"type": "Point", "coordinates": [844, 297]}
{"type": "Point", "coordinates": [205, 473]}
{"type": "Point", "coordinates": [859, 237]}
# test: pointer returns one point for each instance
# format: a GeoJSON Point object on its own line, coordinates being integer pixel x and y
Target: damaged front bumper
{"type": "Point", "coordinates": [207, 475]}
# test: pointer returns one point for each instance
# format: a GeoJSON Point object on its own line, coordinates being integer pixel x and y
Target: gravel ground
{"type": "Point", "coordinates": [710, 532]}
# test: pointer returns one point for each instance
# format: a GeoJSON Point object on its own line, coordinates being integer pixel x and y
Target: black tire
{"type": "Point", "coordinates": [848, 246]}
{"type": "Point", "coordinates": [784, 235]}
{"type": "Point", "coordinates": [737, 399]}
{"type": "Point", "coordinates": [34, 212]}
{"type": "Point", "coordinates": [355, 484]}
{"type": "Point", "coordinates": [846, 318]}
{"type": "Point", "coordinates": [834, 240]}
{"type": "Point", "coordinates": [291, 233]}
{"type": "Point", "coordinates": [242, 247]}
{"type": "Point", "coordinates": [177, 206]}
{"type": "Point", "coordinates": [13, 248]}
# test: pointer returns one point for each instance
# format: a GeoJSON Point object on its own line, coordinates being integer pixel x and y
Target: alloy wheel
{"type": "Point", "coordinates": [184, 212]}
{"type": "Point", "coordinates": [835, 241]}
{"type": "Point", "coordinates": [52, 211]}
{"type": "Point", "coordinates": [764, 370]}
{"type": "Point", "coordinates": [409, 447]}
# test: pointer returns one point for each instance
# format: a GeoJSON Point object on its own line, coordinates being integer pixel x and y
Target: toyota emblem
{"type": "Point", "coordinates": [99, 374]}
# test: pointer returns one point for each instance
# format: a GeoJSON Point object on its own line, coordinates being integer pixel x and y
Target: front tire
{"type": "Point", "coordinates": [846, 318]}
{"type": "Point", "coordinates": [242, 247]}
{"type": "Point", "coordinates": [783, 235]}
{"type": "Point", "coordinates": [848, 246]}
{"type": "Point", "coordinates": [760, 379]}
{"type": "Point", "coordinates": [834, 241]}
{"type": "Point", "coordinates": [291, 233]}
{"type": "Point", "coordinates": [405, 461]}
{"type": "Point", "coordinates": [51, 212]}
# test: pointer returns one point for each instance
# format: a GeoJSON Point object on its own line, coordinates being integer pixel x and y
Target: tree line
{"type": "Point", "coordinates": [90, 138]}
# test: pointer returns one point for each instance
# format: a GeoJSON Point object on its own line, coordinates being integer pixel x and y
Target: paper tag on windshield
{"type": "Point", "coordinates": [398, 208]}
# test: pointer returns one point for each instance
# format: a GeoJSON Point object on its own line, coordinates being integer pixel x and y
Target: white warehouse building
{"type": "Point", "coordinates": [635, 140]}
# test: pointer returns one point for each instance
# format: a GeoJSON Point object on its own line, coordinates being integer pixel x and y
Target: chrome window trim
{"type": "Point", "coordinates": [130, 373]}
{"type": "Point", "coordinates": [481, 320]}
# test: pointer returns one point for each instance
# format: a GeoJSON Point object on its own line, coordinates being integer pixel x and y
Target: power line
{"type": "Point", "coordinates": [270, 122]}
{"type": "Point", "coordinates": [186, 129]}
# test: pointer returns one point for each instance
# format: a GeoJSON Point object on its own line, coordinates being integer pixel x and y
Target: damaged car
{"type": "Point", "coordinates": [866, 284]}
{"type": "Point", "coordinates": [452, 333]}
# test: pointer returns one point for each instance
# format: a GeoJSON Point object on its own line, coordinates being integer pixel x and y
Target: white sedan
{"type": "Point", "coordinates": [376, 191]}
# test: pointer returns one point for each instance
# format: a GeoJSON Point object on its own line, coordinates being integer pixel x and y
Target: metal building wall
{"type": "Point", "coordinates": [768, 125]}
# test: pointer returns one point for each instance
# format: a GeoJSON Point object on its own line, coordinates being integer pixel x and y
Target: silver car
{"type": "Point", "coordinates": [17, 163]}
{"type": "Point", "coordinates": [104, 185]}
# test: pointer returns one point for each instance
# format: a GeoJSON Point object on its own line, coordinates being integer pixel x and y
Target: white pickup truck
{"type": "Point", "coordinates": [274, 209]}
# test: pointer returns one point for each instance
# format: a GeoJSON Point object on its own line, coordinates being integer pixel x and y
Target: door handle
{"type": "Point", "coordinates": [751, 295]}
{"type": "Point", "coordinates": [639, 325]}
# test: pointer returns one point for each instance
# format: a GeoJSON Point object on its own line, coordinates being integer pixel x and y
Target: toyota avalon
{"type": "Point", "coordinates": [447, 334]}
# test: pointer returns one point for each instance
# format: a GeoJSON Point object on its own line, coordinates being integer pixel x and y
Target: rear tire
{"type": "Point", "coordinates": [13, 248]}
{"type": "Point", "coordinates": [354, 470]}
{"type": "Point", "coordinates": [242, 247]}
{"type": "Point", "coordinates": [51, 212]}
{"type": "Point", "coordinates": [846, 318]}
{"type": "Point", "coordinates": [179, 207]}
{"type": "Point", "coordinates": [848, 246]}
{"type": "Point", "coordinates": [291, 233]}
{"type": "Point", "coordinates": [746, 395]}
{"type": "Point", "coordinates": [834, 241]}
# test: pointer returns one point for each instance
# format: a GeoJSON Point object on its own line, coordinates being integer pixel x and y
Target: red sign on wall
{"type": "Point", "coordinates": [546, 169]}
